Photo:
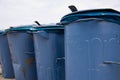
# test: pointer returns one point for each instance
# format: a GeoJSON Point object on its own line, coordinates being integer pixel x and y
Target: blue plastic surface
{"type": "Point", "coordinates": [20, 28]}
{"type": "Point", "coordinates": [49, 49]}
{"type": "Point", "coordinates": [106, 14]}
{"type": "Point", "coordinates": [5, 56]}
{"type": "Point", "coordinates": [92, 45]}
{"type": "Point", "coordinates": [92, 50]}
{"type": "Point", "coordinates": [23, 56]}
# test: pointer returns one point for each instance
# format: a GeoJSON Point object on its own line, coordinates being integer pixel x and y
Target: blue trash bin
{"type": "Point", "coordinates": [22, 50]}
{"type": "Point", "coordinates": [92, 45]}
{"type": "Point", "coordinates": [49, 51]}
{"type": "Point", "coordinates": [5, 56]}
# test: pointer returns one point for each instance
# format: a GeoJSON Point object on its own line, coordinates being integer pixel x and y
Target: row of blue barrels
{"type": "Point", "coordinates": [84, 46]}
{"type": "Point", "coordinates": [41, 47]}
{"type": "Point", "coordinates": [5, 57]}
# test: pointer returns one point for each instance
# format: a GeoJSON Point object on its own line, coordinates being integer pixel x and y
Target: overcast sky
{"type": "Point", "coordinates": [23, 12]}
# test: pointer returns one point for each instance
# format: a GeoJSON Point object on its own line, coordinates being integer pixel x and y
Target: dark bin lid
{"type": "Point", "coordinates": [1, 32]}
{"type": "Point", "coordinates": [106, 14]}
{"type": "Point", "coordinates": [33, 28]}
{"type": "Point", "coordinates": [50, 28]}
{"type": "Point", "coordinates": [21, 28]}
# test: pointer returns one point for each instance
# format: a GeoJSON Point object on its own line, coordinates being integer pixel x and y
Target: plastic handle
{"type": "Point", "coordinates": [29, 52]}
{"type": "Point", "coordinates": [72, 8]}
{"type": "Point", "coordinates": [60, 59]}
{"type": "Point", "coordinates": [32, 32]}
{"type": "Point", "coordinates": [37, 23]}
{"type": "Point", "coordinates": [111, 62]}
{"type": "Point", "coordinates": [44, 34]}
{"type": "Point", "coordinates": [41, 33]}
{"type": "Point", "coordinates": [2, 34]}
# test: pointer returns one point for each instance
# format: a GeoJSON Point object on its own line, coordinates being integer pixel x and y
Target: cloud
{"type": "Point", "coordinates": [20, 12]}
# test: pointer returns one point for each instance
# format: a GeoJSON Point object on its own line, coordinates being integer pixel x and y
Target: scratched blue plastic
{"type": "Point", "coordinates": [88, 44]}
{"type": "Point", "coordinates": [22, 50]}
{"type": "Point", "coordinates": [49, 50]}
{"type": "Point", "coordinates": [5, 56]}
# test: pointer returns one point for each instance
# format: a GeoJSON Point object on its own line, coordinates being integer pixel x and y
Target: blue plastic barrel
{"type": "Point", "coordinates": [49, 51]}
{"type": "Point", "coordinates": [5, 56]}
{"type": "Point", "coordinates": [92, 45]}
{"type": "Point", "coordinates": [22, 50]}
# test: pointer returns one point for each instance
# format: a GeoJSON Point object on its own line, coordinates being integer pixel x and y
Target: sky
{"type": "Point", "coordinates": [25, 12]}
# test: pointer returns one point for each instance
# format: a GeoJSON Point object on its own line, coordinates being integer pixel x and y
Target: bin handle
{"type": "Point", "coordinates": [72, 8]}
{"type": "Point", "coordinates": [111, 62]}
{"type": "Point", "coordinates": [44, 34]}
{"type": "Point", "coordinates": [2, 34]}
{"type": "Point", "coordinates": [31, 32]}
{"type": "Point", "coordinates": [59, 59]}
{"type": "Point", "coordinates": [37, 23]}
{"type": "Point", "coordinates": [29, 53]}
